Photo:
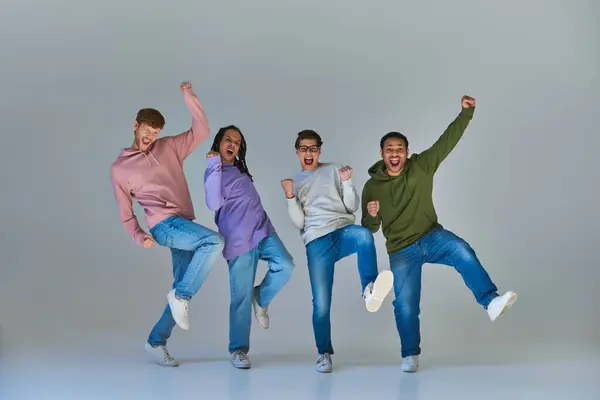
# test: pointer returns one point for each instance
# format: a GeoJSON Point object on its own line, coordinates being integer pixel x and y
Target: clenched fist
{"type": "Point", "coordinates": [148, 242]}
{"type": "Point", "coordinates": [467, 102]}
{"type": "Point", "coordinates": [373, 208]}
{"type": "Point", "coordinates": [211, 154]}
{"type": "Point", "coordinates": [288, 187]}
{"type": "Point", "coordinates": [345, 173]}
{"type": "Point", "coordinates": [185, 86]}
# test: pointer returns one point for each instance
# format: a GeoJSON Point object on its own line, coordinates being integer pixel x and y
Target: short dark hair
{"type": "Point", "coordinates": [308, 134]}
{"type": "Point", "coordinates": [394, 135]}
{"type": "Point", "coordinates": [150, 117]}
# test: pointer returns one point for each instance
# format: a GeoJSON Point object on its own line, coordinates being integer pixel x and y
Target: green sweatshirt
{"type": "Point", "coordinates": [406, 211]}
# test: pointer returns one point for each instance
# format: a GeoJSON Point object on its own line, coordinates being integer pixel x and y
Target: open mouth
{"type": "Point", "coordinates": [394, 162]}
{"type": "Point", "coordinates": [308, 161]}
{"type": "Point", "coordinates": [229, 152]}
{"type": "Point", "coordinates": [146, 141]}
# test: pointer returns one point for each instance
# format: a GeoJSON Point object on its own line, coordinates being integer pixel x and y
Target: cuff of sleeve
{"type": "Point", "coordinates": [348, 182]}
{"type": "Point", "coordinates": [291, 200]}
{"type": "Point", "coordinates": [372, 220]}
{"type": "Point", "coordinates": [213, 161]}
{"type": "Point", "coordinates": [139, 237]}
{"type": "Point", "coordinates": [467, 112]}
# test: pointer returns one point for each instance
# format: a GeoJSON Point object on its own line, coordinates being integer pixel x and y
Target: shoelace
{"type": "Point", "coordinates": [166, 356]}
{"type": "Point", "coordinates": [242, 356]}
{"type": "Point", "coordinates": [323, 358]}
{"type": "Point", "coordinates": [368, 290]}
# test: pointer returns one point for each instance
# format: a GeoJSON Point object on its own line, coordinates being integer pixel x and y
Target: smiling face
{"type": "Point", "coordinates": [144, 136]}
{"type": "Point", "coordinates": [308, 153]}
{"type": "Point", "coordinates": [394, 154]}
{"type": "Point", "coordinates": [230, 145]}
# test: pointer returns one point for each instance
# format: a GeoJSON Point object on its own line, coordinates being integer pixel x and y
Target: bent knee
{"type": "Point", "coordinates": [364, 235]}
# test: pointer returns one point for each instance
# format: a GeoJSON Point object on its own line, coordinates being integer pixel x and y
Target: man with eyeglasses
{"type": "Point", "coordinates": [321, 202]}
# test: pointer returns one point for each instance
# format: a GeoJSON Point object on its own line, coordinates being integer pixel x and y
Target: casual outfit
{"type": "Point", "coordinates": [323, 209]}
{"type": "Point", "coordinates": [155, 179]}
{"type": "Point", "coordinates": [249, 236]}
{"type": "Point", "coordinates": [414, 236]}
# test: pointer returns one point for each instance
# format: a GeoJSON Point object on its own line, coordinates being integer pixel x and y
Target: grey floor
{"type": "Point", "coordinates": [111, 368]}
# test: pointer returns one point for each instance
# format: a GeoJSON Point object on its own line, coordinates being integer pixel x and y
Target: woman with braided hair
{"type": "Point", "coordinates": [249, 237]}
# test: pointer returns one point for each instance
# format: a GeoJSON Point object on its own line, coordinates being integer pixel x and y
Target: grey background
{"type": "Point", "coordinates": [521, 186]}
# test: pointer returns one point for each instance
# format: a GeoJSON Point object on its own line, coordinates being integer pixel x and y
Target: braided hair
{"type": "Point", "coordinates": [240, 160]}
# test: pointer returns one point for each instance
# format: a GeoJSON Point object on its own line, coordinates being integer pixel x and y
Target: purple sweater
{"type": "Point", "coordinates": [239, 214]}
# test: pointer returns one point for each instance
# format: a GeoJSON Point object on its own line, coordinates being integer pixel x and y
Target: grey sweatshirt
{"type": "Point", "coordinates": [322, 202]}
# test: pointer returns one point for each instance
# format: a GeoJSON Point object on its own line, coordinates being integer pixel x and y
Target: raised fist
{"type": "Point", "coordinates": [148, 242]}
{"type": "Point", "coordinates": [373, 208]}
{"type": "Point", "coordinates": [288, 187]}
{"type": "Point", "coordinates": [185, 86]}
{"type": "Point", "coordinates": [211, 154]}
{"type": "Point", "coordinates": [345, 173]}
{"type": "Point", "coordinates": [467, 102]}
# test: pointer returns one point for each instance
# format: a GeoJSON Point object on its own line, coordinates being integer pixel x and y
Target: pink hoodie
{"type": "Point", "coordinates": [156, 179]}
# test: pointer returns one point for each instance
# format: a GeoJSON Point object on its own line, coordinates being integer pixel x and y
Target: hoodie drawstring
{"type": "Point", "coordinates": [148, 160]}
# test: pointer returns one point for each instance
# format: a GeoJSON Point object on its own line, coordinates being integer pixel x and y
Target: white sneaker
{"type": "Point", "coordinates": [375, 292]}
{"type": "Point", "coordinates": [500, 304]}
{"type": "Point", "coordinates": [324, 363]}
{"type": "Point", "coordinates": [261, 314]}
{"type": "Point", "coordinates": [161, 355]}
{"type": "Point", "coordinates": [410, 364]}
{"type": "Point", "coordinates": [240, 360]}
{"type": "Point", "coordinates": [180, 309]}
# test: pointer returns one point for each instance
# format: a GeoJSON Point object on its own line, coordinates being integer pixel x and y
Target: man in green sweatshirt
{"type": "Point", "coordinates": [398, 198]}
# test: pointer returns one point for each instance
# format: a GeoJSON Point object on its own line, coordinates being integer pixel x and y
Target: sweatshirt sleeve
{"type": "Point", "coordinates": [186, 142]}
{"type": "Point", "coordinates": [350, 196]}
{"type": "Point", "coordinates": [372, 223]}
{"type": "Point", "coordinates": [430, 159]}
{"type": "Point", "coordinates": [212, 184]}
{"type": "Point", "coordinates": [295, 212]}
{"type": "Point", "coordinates": [125, 204]}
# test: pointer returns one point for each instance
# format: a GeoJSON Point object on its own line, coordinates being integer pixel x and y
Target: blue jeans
{"type": "Point", "coordinates": [194, 250]}
{"type": "Point", "coordinates": [242, 271]}
{"type": "Point", "coordinates": [439, 246]}
{"type": "Point", "coordinates": [322, 254]}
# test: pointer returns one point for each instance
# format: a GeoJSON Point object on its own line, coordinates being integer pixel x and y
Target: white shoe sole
{"type": "Point", "coordinates": [381, 288]}
{"type": "Point", "coordinates": [512, 298]}
{"type": "Point", "coordinates": [173, 303]}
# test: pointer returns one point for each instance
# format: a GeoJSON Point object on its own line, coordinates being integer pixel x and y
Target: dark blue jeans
{"type": "Point", "coordinates": [194, 250]}
{"type": "Point", "coordinates": [322, 254]}
{"type": "Point", "coordinates": [437, 247]}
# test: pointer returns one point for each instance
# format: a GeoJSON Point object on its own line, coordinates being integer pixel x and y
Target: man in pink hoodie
{"type": "Point", "coordinates": [151, 172]}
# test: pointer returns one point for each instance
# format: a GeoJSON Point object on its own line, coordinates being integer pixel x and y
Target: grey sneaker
{"type": "Point", "coordinates": [261, 314]}
{"type": "Point", "coordinates": [324, 363]}
{"type": "Point", "coordinates": [410, 364]}
{"type": "Point", "coordinates": [240, 360]}
{"type": "Point", "coordinates": [161, 355]}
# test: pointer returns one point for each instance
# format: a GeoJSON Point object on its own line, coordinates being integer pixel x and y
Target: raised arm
{"type": "Point", "coordinates": [212, 182]}
{"type": "Point", "coordinates": [370, 211]}
{"type": "Point", "coordinates": [128, 218]}
{"type": "Point", "coordinates": [430, 159]}
{"type": "Point", "coordinates": [186, 142]}
{"type": "Point", "coordinates": [294, 208]}
{"type": "Point", "coordinates": [349, 194]}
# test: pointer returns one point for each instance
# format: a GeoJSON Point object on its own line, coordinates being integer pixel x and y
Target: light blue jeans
{"type": "Point", "coordinates": [322, 254]}
{"type": "Point", "coordinates": [194, 250]}
{"type": "Point", "coordinates": [242, 272]}
{"type": "Point", "coordinates": [437, 247]}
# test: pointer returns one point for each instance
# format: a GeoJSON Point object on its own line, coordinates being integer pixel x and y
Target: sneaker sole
{"type": "Point", "coordinates": [382, 286]}
{"type": "Point", "coordinates": [511, 300]}
{"type": "Point", "coordinates": [255, 309]}
{"type": "Point", "coordinates": [171, 299]}
{"type": "Point", "coordinates": [241, 366]}
{"type": "Point", "coordinates": [149, 351]}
